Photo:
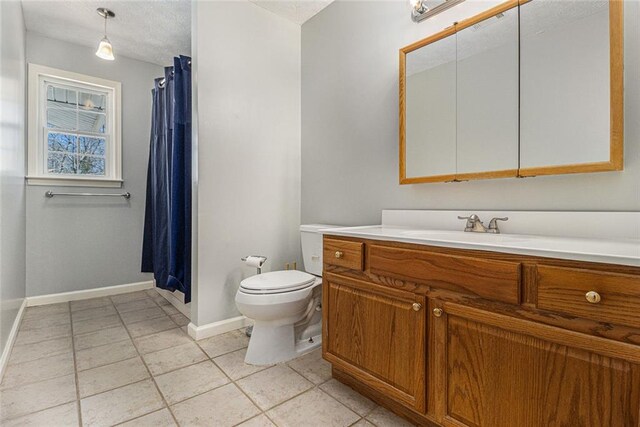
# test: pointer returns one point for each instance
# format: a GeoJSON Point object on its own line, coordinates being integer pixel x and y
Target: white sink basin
{"type": "Point", "coordinates": [462, 236]}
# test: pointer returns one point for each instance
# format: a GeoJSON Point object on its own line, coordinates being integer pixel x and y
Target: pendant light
{"type": "Point", "coordinates": [105, 50]}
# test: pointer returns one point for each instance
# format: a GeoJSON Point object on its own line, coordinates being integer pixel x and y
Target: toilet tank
{"type": "Point", "coordinates": [311, 239]}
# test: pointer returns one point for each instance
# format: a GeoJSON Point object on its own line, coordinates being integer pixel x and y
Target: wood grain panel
{"type": "Point", "coordinates": [500, 378]}
{"type": "Point", "coordinates": [377, 338]}
{"type": "Point", "coordinates": [351, 253]}
{"type": "Point", "coordinates": [499, 280]}
{"type": "Point", "coordinates": [563, 290]}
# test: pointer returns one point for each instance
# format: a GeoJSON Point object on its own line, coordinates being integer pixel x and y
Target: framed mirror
{"type": "Point", "coordinates": [571, 73]}
{"type": "Point", "coordinates": [529, 87]}
{"type": "Point", "coordinates": [430, 120]}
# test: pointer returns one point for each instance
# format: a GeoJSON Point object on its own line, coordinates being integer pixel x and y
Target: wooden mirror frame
{"type": "Point", "coordinates": [616, 151]}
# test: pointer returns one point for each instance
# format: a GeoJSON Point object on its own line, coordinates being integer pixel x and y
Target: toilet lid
{"type": "Point", "coordinates": [278, 281]}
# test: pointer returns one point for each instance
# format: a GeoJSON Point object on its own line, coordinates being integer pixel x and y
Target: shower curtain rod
{"type": "Point", "coordinates": [163, 80]}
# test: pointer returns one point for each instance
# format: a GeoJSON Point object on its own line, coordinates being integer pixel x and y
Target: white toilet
{"type": "Point", "coordinates": [285, 306]}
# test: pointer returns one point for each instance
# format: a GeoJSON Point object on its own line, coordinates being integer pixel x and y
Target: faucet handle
{"type": "Point", "coordinates": [493, 224]}
{"type": "Point", "coordinates": [472, 221]}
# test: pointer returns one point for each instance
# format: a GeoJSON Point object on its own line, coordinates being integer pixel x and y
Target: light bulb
{"type": "Point", "coordinates": [415, 4]}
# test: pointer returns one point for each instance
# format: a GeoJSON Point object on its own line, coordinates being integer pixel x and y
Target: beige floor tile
{"type": "Point", "coordinates": [89, 303]}
{"type": "Point", "coordinates": [46, 333]}
{"type": "Point", "coordinates": [224, 343]}
{"type": "Point", "coordinates": [190, 381]}
{"type": "Point", "coordinates": [222, 407]}
{"type": "Point", "coordinates": [152, 326]}
{"type": "Point", "coordinates": [170, 310]}
{"type": "Point", "coordinates": [42, 310]}
{"type": "Point", "coordinates": [161, 340]}
{"type": "Point", "coordinates": [173, 358]}
{"type": "Point", "coordinates": [313, 408]}
{"type": "Point", "coordinates": [35, 397]}
{"type": "Point", "coordinates": [139, 304]}
{"type": "Point", "coordinates": [105, 354]}
{"type": "Point", "coordinates": [101, 337]}
{"type": "Point", "coordinates": [273, 386]}
{"type": "Point", "coordinates": [38, 370]}
{"type": "Point", "coordinates": [98, 380]}
{"type": "Point", "coordinates": [95, 324]}
{"type": "Point", "coordinates": [92, 313]}
{"type": "Point", "coordinates": [312, 366]}
{"type": "Point", "coordinates": [348, 397]}
{"type": "Point", "coordinates": [161, 418]}
{"type": "Point", "coordinates": [39, 350]}
{"type": "Point", "coordinates": [130, 296]}
{"type": "Point", "coordinates": [140, 315]}
{"type": "Point", "coordinates": [233, 365]}
{"type": "Point", "coordinates": [61, 416]}
{"type": "Point", "coordinates": [382, 417]}
{"type": "Point", "coordinates": [121, 404]}
{"type": "Point", "coordinates": [180, 319]}
{"type": "Point", "coordinates": [363, 423]}
{"type": "Point", "coordinates": [259, 421]}
{"type": "Point", "coordinates": [37, 322]}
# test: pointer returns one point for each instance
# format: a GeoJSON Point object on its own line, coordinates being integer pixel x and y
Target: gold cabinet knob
{"type": "Point", "coordinates": [416, 306]}
{"type": "Point", "coordinates": [339, 254]}
{"type": "Point", "coordinates": [593, 297]}
{"type": "Point", "coordinates": [437, 312]}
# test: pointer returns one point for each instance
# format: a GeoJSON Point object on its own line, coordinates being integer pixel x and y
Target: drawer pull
{"type": "Point", "coordinates": [437, 312]}
{"type": "Point", "coordinates": [593, 297]}
{"type": "Point", "coordinates": [416, 306]}
{"type": "Point", "coordinates": [339, 254]}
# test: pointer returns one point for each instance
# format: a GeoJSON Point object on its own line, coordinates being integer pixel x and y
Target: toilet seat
{"type": "Point", "coordinates": [277, 282]}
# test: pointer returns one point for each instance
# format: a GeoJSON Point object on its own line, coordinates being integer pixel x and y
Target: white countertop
{"type": "Point", "coordinates": [618, 251]}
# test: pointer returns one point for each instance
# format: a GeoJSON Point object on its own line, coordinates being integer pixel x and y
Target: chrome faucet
{"type": "Point", "coordinates": [476, 226]}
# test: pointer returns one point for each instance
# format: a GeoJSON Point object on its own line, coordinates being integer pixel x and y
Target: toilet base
{"type": "Point", "coordinates": [271, 344]}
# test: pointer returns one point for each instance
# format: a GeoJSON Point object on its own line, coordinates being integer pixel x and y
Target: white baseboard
{"type": "Point", "coordinates": [8, 346]}
{"type": "Point", "coordinates": [176, 299]}
{"type": "Point", "coordinates": [217, 328]}
{"type": "Point", "coordinates": [89, 293]}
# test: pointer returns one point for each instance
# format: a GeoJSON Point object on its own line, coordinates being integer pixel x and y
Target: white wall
{"type": "Point", "coordinates": [12, 165]}
{"type": "Point", "coordinates": [84, 243]}
{"type": "Point", "coordinates": [247, 72]}
{"type": "Point", "coordinates": [350, 124]}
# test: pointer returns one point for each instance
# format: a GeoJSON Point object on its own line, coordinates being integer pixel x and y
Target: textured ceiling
{"type": "Point", "coordinates": [154, 30]}
{"type": "Point", "coordinates": [297, 11]}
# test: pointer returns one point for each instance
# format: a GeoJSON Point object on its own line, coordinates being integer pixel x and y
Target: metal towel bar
{"type": "Point", "coordinates": [126, 195]}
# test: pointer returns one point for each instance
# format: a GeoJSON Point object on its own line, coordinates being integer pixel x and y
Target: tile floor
{"type": "Point", "coordinates": [127, 360]}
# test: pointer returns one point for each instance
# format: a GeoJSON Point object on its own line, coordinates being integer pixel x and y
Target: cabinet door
{"type": "Point", "coordinates": [376, 335]}
{"type": "Point", "coordinates": [493, 370]}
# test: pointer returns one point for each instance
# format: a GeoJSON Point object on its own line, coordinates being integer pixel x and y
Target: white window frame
{"type": "Point", "coordinates": [37, 174]}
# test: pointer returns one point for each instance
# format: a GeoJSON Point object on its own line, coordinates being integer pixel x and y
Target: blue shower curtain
{"type": "Point", "coordinates": [166, 248]}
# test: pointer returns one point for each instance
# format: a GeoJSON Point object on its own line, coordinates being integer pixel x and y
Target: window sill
{"type": "Point", "coordinates": [74, 182]}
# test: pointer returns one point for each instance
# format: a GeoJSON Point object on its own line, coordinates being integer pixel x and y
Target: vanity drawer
{"type": "Point", "coordinates": [615, 297]}
{"type": "Point", "coordinates": [492, 279]}
{"type": "Point", "coordinates": [343, 253]}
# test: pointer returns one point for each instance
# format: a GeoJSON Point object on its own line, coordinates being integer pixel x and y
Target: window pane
{"type": "Point", "coordinates": [61, 142]}
{"type": "Point", "coordinates": [61, 163]}
{"type": "Point", "coordinates": [61, 97]}
{"type": "Point", "coordinates": [92, 122]}
{"type": "Point", "coordinates": [92, 146]}
{"type": "Point", "coordinates": [90, 165]}
{"type": "Point", "coordinates": [58, 118]}
{"type": "Point", "coordinates": [93, 102]}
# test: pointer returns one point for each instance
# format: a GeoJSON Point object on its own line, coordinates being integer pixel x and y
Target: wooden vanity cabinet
{"type": "Point", "coordinates": [377, 334]}
{"type": "Point", "coordinates": [496, 371]}
{"type": "Point", "coordinates": [438, 351]}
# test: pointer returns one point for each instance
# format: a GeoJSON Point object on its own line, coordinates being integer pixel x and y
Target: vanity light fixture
{"type": "Point", "coordinates": [423, 9]}
{"type": "Point", "coordinates": [105, 50]}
